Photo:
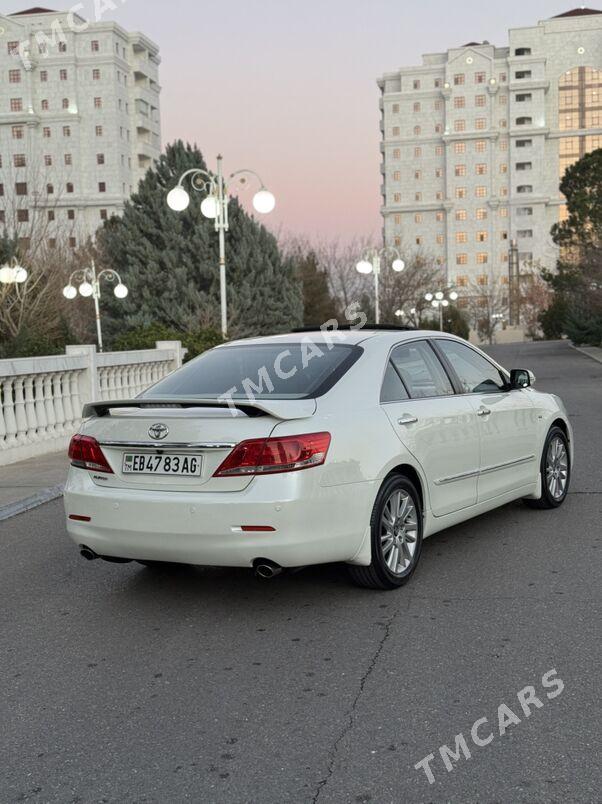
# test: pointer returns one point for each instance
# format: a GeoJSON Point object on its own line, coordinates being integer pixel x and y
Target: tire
{"type": "Point", "coordinates": [391, 532]}
{"type": "Point", "coordinates": [554, 470]}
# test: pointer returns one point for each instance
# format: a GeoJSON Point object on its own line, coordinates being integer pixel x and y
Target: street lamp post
{"type": "Point", "coordinates": [89, 285]}
{"type": "Point", "coordinates": [215, 206]}
{"type": "Point", "coordinates": [370, 263]}
{"type": "Point", "coordinates": [12, 273]}
{"type": "Point", "coordinates": [439, 300]}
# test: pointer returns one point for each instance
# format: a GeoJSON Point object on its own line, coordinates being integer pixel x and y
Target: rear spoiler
{"type": "Point", "coordinates": [279, 408]}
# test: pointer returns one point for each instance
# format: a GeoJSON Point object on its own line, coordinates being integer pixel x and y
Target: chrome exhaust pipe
{"type": "Point", "coordinates": [266, 569]}
{"type": "Point", "coordinates": [88, 553]}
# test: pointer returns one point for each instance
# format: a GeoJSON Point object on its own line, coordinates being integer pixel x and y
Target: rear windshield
{"type": "Point", "coordinates": [260, 371]}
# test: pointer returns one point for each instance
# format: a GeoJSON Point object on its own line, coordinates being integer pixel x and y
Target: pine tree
{"type": "Point", "coordinates": [318, 303]}
{"type": "Point", "coordinates": [169, 261]}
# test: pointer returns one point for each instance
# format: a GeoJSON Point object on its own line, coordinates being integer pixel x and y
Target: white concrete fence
{"type": "Point", "coordinates": [41, 398]}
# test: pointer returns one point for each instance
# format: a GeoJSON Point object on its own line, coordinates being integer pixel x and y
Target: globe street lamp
{"type": "Point", "coordinates": [89, 285]}
{"type": "Point", "coordinates": [370, 263]}
{"type": "Point", "coordinates": [215, 207]}
{"type": "Point", "coordinates": [13, 273]}
{"type": "Point", "coordinates": [440, 299]}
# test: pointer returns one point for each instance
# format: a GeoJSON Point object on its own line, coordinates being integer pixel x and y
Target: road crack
{"type": "Point", "coordinates": [351, 714]}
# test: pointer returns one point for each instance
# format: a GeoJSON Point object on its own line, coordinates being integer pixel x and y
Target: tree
{"type": "Point", "coordinates": [319, 305]}
{"type": "Point", "coordinates": [454, 321]}
{"type": "Point", "coordinates": [486, 305]}
{"type": "Point", "coordinates": [169, 262]}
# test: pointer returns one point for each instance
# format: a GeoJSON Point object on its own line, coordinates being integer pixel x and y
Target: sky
{"type": "Point", "coordinates": [288, 87]}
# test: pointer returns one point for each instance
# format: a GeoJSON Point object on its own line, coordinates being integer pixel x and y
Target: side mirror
{"type": "Point", "coordinates": [521, 378]}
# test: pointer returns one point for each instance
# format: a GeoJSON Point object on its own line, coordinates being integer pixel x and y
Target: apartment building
{"type": "Point", "coordinates": [475, 140]}
{"type": "Point", "coordinates": [79, 120]}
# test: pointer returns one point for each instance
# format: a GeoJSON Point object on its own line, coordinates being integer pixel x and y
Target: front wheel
{"type": "Point", "coordinates": [396, 536]}
{"type": "Point", "coordinates": [555, 471]}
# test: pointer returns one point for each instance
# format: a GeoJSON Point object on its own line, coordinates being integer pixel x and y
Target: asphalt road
{"type": "Point", "coordinates": [122, 684]}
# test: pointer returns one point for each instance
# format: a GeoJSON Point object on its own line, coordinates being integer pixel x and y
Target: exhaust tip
{"type": "Point", "coordinates": [266, 569]}
{"type": "Point", "coordinates": [88, 553]}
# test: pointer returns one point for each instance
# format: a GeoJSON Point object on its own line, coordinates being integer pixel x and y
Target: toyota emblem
{"type": "Point", "coordinates": [158, 431]}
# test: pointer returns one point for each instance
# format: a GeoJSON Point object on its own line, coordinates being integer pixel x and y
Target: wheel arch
{"type": "Point", "coordinates": [409, 471]}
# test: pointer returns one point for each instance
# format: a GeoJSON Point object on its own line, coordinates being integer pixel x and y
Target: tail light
{"type": "Point", "coordinates": [85, 452]}
{"type": "Point", "coordinates": [264, 456]}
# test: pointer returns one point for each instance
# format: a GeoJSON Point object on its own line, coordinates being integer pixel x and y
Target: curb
{"type": "Point", "coordinates": [590, 351]}
{"type": "Point", "coordinates": [39, 498]}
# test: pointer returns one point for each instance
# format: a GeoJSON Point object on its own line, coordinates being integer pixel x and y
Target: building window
{"type": "Point", "coordinates": [43, 76]}
{"type": "Point", "coordinates": [397, 241]}
{"type": "Point", "coordinates": [416, 83]}
{"type": "Point", "coordinates": [480, 100]}
{"type": "Point", "coordinates": [71, 214]}
{"type": "Point", "coordinates": [394, 131]}
{"type": "Point", "coordinates": [524, 165]}
{"type": "Point", "coordinates": [480, 192]}
{"type": "Point", "coordinates": [65, 103]}
{"type": "Point", "coordinates": [13, 48]}
{"type": "Point", "coordinates": [520, 75]}
{"type": "Point", "coordinates": [459, 79]}
{"type": "Point", "coordinates": [418, 174]}
{"type": "Point", "coordinates": [524, 188]}
{"type": "Point", "coordinates": [439, 195]}
{"type": "Point", "coordinates": [460, 170]}
{"type": "Point", "coordinates": [95, 46]}
{"type": "Point", "coordinates": [68, 159]}
{"type": "Point", "coordinates": [524, 121]}
{"type": "Point", "coordinates": [460, 192]}
{"type": "Point", "coordinates": [397, 219]}
{"type": "Point", "coordinates": [480, 146]}
{"type": "Point", "coordinates": [480, 169]}
{"type": "Point", "coordinates": [98, 130]}
{"type": "Point", "coordinates": [395, 108]}
{"type": "Point", "coordinates": [523, 211]}
{"type": "Point", "coordinates": [523, 97]}
{"type": "Point", "coordinates": [503, 212]}
{"type": "Point", "coordinates": [396, 173]}
{"type": "Point", "coordinates": [460, 102]}
{"type": "Point", "coordinates": [16, 104]}
{"type": "Point", "coordinates": [482, 258]}
{"type": "Point", "coordinates": [503, 78]}
{"type": "Point", "coordinates": [14, 76]}
{"type": "Point", "coordinates": [49, 189]}
{"type": "Point", "coordinates": [1, 189]}
{"type": "Point", "coordinates": [459, 125]}
{"type": "Point", "coordinates": [522, 51]}
{"type": "Point", "coordinates": [70, 188]}
{"type": "Point", "coordinates": [439, 239]}
{"type": "Point", "coordinates": [461, 259]}
{"type": "Point", "coordinates": [438, 105]}
{"type": "Point", "coordinates": [503, 235]}
{"type": "Point", "coordinates": [417, 106]}
{"type": "Point", "coordinates": [22, 215]}
{"type": "Point", "coordinates": [481, 237]}
{"type": "Point", "coordinates": [525, 233]}
{"type": "Point", "coordinates": [418, 217]}
{"type": "Point", "coordinates": [481, 214]}
{"type": "Point", "coordinates": [72, 242]}
{"type": "Point", "coordinates": [21, 188]}
{"type": "Point", "coordinates": [459, 147]}
{"type": "Point", "coordinates": [439, 216]}
{"type": "Point", "coordinates": [480, 123]}
{"type": "Point", "coordinates": [417, 151]}
{"type": "Point", "coordinates": [51, 215]}
{"type": "Point", "coordinates": [98, 103]}
{"type": "Point", "coordinates": [438, 128]}
{"type": "Point", "coordinates": [396, 153]}
{"type": "Point", "coordinates": [102, 187]}
{"type": "Point", "coordinates": [503, 100]}
{"type": "Point", "coordinates": [96, 75]}
{"type": "Point", "coordinates": [17, 132]}
{"type": "Point", "coordinates": [417, 131]}
{"type": "Point", "coordinates": [63, 75]}
{"type": "Point", "coordinates": [66, 131]}
{"type": "Point", "coordinates": [461, 215]}
{"type": "Point", "coordinates": [438, 150]}
{"type": "Point", "coordinates": [46, 132]}
{"type": "Point", "coordinates": [479, 78]}
{"type": "Point", "coordinates": [48, 160]}
{"type": "Point", "coordinates": [100, 159]}
{"type": "Point", "coordinates": [397, 197]}
{"type": "Point", "coordinates": [62, 47]}
{"type": "Point", "coordinates": [503, 191]}
{"type": "Point", "coordinates": [461, 237]}
{"type": "Point", "coordinates": [44, 105]}
{"type": "Point", "coordinates": [438, 173]}
{"type": "Point", "coordinates": [19, 160]}
{"type": "Point", "coordinates": [418, 241]}
{"type": "Point", "coordinates": [482, 279]}
{"type": "Point", "coordinates": [504, 145]}
{"type": "Point", "coordinates": [461, 281]}
{"type": "Point", "coordinates": [103, 215]}
{"type": "Point", "coordinates": [437, 83]}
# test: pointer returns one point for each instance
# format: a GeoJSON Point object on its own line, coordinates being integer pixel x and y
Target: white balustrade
{"type": "Point", "coordinates": [41, 398]}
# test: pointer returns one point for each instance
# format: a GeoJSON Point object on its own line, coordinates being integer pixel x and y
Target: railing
{"type": "Point", "coordinates": [41, 398]}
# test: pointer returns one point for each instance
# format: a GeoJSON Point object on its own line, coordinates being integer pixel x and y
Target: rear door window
{"type": "Point", "coordinates": [421, 370]}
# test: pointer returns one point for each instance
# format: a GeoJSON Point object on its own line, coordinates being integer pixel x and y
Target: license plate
{"type": "Point", "coordinates": [144, 463]}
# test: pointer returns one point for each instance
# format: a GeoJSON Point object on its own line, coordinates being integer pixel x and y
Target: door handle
{"type": "Point", "coordinates": [407, 418]}
{"type": "Point", "coordinates": [483, 411]}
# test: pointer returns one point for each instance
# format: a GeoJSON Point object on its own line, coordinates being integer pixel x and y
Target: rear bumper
{"type": "Point", "coordinates": [313, 524]}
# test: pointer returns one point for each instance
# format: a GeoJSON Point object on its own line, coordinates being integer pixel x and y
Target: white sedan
{"type": "Point", "coordinates": [350, 445]}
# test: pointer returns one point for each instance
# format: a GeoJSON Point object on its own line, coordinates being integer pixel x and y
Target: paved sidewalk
{"type": "Point", "coordinates": [26, 484]}
{"type": "Point", "coordinates": [591, 351]}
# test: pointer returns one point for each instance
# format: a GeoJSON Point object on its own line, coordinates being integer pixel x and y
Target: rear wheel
{"type": "Point", "coordinates": [555, 471]}
{"type": "Point", "coordinates": [396, 536]}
